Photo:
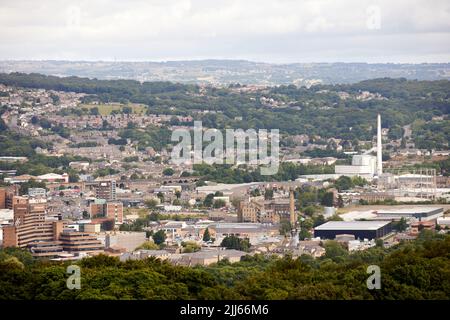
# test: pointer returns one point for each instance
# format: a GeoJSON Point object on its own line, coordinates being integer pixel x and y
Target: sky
{"type": "Point", "coordinates": [283, 31]}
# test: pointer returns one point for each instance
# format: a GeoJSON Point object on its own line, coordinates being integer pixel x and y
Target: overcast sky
{"type": "Point", "coordinates": [258, 30]}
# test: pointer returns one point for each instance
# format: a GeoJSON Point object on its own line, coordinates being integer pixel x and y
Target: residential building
{"type": "Point", "coordinates": [108, 209]}
{"type": "Point", "coordinates": [106, 190]}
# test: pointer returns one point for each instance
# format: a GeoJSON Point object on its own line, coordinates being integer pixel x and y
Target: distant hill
{"type": "Point", "coordinates": [223, 72]}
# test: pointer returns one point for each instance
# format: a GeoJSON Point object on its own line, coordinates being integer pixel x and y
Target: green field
{"type": "Point", "coordinates": [106, 109]}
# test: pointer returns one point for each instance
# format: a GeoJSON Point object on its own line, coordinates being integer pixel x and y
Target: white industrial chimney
{"type": "Point", "coordinates": [379, 149]}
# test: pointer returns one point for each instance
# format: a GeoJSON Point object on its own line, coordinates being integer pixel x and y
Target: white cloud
{"type": "Point", "coordinates": [287, 30]}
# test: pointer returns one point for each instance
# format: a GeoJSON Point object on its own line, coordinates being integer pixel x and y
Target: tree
{"type": "Point", "coordinates": [159, 237]}
{"type": "Point", "coordinates": [379, 243]}
{"type": "Point", "coordinates": [400, 225]}
{"type": "Point", "coordinates": [319, 220]}
{"type": "Point", "coordinates": [190, 246]}
{"type": "Point", "coordinates": [134, 176]}
{"type": "Point", "coordinates": [208, 202]}
{"type": "Point", "coordinates": [148, 245]}
{"type": "Point", "coordinates": [268, 194]}
{"type": "Point", "coordinates": [30, 184]}
{"type": "Point", "coordinates": [219, 203]}
{"type": "Point", "coordinates": [73, 177]}
{"type": "Point", "coordinates": [206, 235]}
{"type": "Point", "coordinates": [285, 227]}
{"type": "Point", "coordinates": [335, 251]}
{"type": "Point", "coordinates": [151, 204]}
{"type": "Point", "coordinates": [309, 211]}
{"type": "Point", "coordinates": [86, 215]}
{"type": "Point", "coordinates": [328, 199]}
{"type": "Point", "coordinates": [304, 234]}
{"type": "Point", "coordinates": [94, 111]}
{"type": "Point", "coordinates": [340, 202]}
{"type": "Point", "coordinates": [233, 242]}
{"type": "Point", "coordinates": [343, 183]}
{"type": "Point", "coordinates": [358, 181]}
{"type": "Point", "coordinates": [168, 172]}
{"type": "Point", "coordinates": [127, 110]}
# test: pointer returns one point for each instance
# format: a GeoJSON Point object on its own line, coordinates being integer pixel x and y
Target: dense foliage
{"type": "Point", "coordinates": [418, 270]}
{"type": "Point", "coordinates": [318, 110]}
{"type": "Point", "coordinates": [243, 174]}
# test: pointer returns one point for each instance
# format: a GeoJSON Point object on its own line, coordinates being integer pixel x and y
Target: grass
{"type": "Point", "coordinates": [106, 109]}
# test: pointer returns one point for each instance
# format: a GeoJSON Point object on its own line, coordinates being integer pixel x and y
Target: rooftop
{"type": "Point", "coordinates": [352, 225]}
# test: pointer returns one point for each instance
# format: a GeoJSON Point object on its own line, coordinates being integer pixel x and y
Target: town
{"type": "Point", "coordinates": [116, 192]}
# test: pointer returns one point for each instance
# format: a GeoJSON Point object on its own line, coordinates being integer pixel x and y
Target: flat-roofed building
{"type": "Point", "coordinates": [269, 211]}
{"type": "Point", "coordinates": [252, 231]}
{"type": "Point", "coordinates": [128, 240]}
{"type": "Point", "coordinates": [444, 221]}
{"type": "Point", "coordinates": [114, 210]}
{"type": "Point", "coordinates": [360, 229]}
{"type": "Point", "coordinates": [80, 242]}
{"type": "Point", "coordinates": [417, 213]}
{"type": "Point", "coordinates": [6, 196]}
{"type": "Point", "coordinates": [2, 198]}
{"type": "Point", "coordinates": [37, 192]}
{"type": "Point", "coordinates": [108, 209]}
{"type": "Point", "coordinates": [46, 249]}
{"type": "Point", "coordinates": [106, 190]}
{"type": "Point", "coordinates": [207, 257]}
{"type": "Point", "coordinates": [31, 224]}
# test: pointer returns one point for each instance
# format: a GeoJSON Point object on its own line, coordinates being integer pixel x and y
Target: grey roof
{"type": "Point", "coordinates": [352, 225]}
{"type": "Point", "coordinates": [206, 254]}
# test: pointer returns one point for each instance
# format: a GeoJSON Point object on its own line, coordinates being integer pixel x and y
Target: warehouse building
{"type": "Point", "coordinates": [415, 214]}
{"type": "Point", "coordinates": [360, 229]}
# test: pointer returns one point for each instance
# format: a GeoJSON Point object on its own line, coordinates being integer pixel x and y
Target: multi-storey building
{"type": "Point", "coordinates": [108, 209]}
{"type": "Point", "coordinates": [37, 192]}
{"type": "Point", "coordinates": [31, 224]}
{"type": "Point", "coordinates": [106, 190]}
{"type": "Point", "coordinates": [80, 242]}
{"type": "Point", "coordinates": [6, 196]}
{"type": "Point", "coordinates": [269, 211]}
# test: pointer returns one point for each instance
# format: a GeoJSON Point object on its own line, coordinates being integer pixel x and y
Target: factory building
{"type": "Point", "coordinates": [360, 229]}
{"type": "Point", "coordinates": [362, 165]}
{"type": "Point", "coordinates": [414, 214]}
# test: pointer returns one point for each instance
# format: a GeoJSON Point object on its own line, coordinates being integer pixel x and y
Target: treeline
{"type": "Point", "coordinates": [315, 111]}
{"type": "Point", "coordinates": [14, 144]}
{"type": "Point", "coordinates": [417, 270]}
{"type": "Point", "coordinates": [107, 90]}
{"type": "Point", "coordinates": [243, 174]}
{"type": "Point", "coordinates": [152, 136]}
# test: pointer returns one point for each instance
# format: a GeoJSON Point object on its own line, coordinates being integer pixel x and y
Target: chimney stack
{"type": "Point", "coordinates": [292, 207]}
{"type": "Point", "coordinates": [379, 149]}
